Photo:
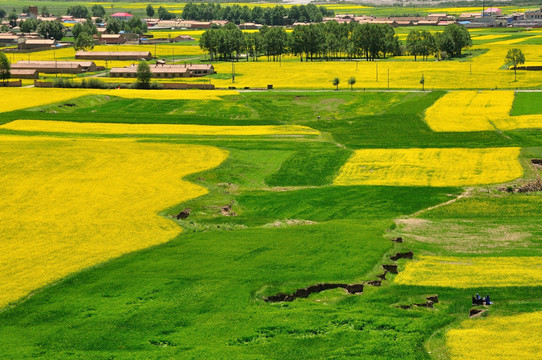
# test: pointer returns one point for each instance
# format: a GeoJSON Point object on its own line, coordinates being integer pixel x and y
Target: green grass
{"type": "Point", "coordinates": [200, 296]}
{"type": "Point", "coordinates": [527, 103]}
{"type": "Point", "coordinates": [354, 120]}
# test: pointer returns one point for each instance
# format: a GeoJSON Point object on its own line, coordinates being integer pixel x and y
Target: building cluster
{"type": "Point", "coordinates": [490, 17]}
{"type": "Point", "coordinates": [165, 71]}
{"type": "Point", "coordinates": [31, 69]}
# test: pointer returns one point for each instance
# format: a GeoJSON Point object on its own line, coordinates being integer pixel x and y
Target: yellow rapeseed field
{"type": "Point", "coordinates": [430, 167]}
{"type": "Point", "coordinates": [482, 71]}
{"type": "Point", "coordinates": [158, 129]}
{"type": "Point", "coordinates": [22, 98]}
{"type": "Point", "coordinates": [68, 204]}
{"type": "Point", "coordinates": [461, 272]}
{"type": "Point", "coordinates": [477, 111]}
{"type": "Point", "coordinates": [497, 337]}
{"type": "Point", "coordinates": [489, 37]}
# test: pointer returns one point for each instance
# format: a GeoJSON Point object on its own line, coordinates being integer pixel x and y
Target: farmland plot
{"type": "Point", "coordinates": [478, 111]}
{"type": "Point", "coordinates": [69, 204]}
{"type": "Point", "coordinates": [430, 167]}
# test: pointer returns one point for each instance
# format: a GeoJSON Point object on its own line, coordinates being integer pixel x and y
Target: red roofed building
{"type": "Point", "coordinates": [493, 11]}
{"type": "Point", "coordinates": [122, 16]}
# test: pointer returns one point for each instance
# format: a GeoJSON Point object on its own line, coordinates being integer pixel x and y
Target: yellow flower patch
{"type": "Point", "coordinates": [430, 167]}
{"type": "Point", "coordinates": [158, 129]}
{"type": "Point", "coordinates": [477, 111]}
{"type": "Point", "coordinates": [461, 272]}
{"type": "Point", "coordinates": [68, 204]}
{"type": "Point", "coordinates": [501, 337]}
{"type": "Point", "coordinates": [22, 98]}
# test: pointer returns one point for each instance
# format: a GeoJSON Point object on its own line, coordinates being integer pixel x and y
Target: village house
{"type": "Point", "coordinates": [31, 44]}
{"type": "Point", "coordinates": [24, 73]}
{"type": "Point", "coordinates": [112, 39]}
{"type": "Point", "coordinates": [122, 16]}
{"type": "Point", "coordinates": [113, 55]}
{"type": "Point", "coordinates": [165, 71]}
{"type": "Point", "coordinates": [53, 66]}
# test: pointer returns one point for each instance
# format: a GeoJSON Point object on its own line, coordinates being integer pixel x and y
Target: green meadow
{"type": "Point", "coordinates": [202, 294]}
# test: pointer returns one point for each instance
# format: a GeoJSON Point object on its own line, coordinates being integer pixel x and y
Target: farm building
{"type": "Point", "coordinates": [113, 55]}
{"type": "Point", "coordinates": [53, 66]}
{"type": "Point", "coordinates": [28, 44]}
{"type": "Point", "coordinates": [113, 39]}
{"type": "Point", "coordinates": [24, 73]}
{"type": "Point", "coordinates": [8, 38]}
{"type": "Point", "coordinates": [165, 71]}
{"type": "Point", "coordinates": [176, 39]}
{"type": "Point", "coordinates": [122, 16]}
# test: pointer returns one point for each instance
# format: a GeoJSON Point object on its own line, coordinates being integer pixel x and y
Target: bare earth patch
{"type": "Point", "coordinates": [464, 236]}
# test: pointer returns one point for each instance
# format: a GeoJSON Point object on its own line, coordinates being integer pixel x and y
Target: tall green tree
{"type": "Point", "coordinates": [98, 10]}
{"type": "Point", "coordinates": [13, 17]}
{"type": "Point", "coordinates": [515, 57]}
{"type": "Point", "coordinates": [336, 82]}
{"type": "Point", "coordinates": [143, 75]}
{"type": "Point", "coordinates": [150, 10]}
{"type": "Point", "coordinates": [351, 82]}
{"type": "Point", "coordinates": [460, 37]}
{"type": "Point", "coordinates": [78, 11]}
{"type": "Point", "coordinates": [84, 41]}
{"type": "Point", "coordinates": [51, 29]}
{"type": "Point", "coordinates": [5, 67]}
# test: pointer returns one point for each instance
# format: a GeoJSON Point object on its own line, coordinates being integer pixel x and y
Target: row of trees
{"type": "Point", "coordinates": [328, 41]}
{"type": "Point", "coordinates": [448, 43]}
{"type": "Point", "coordinates": [82, 12]}
{"type": "Point", "coordinates": [47, 29]}
{"type": "Point", "coordinates": [332, 40]}
{"type": "Point", "coordinates": [237, 14]}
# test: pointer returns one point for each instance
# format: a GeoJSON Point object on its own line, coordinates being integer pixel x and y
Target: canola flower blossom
{"type": "Point", "coordinates": [158, 129]}
{"type": "Point", "coordinates": [68, 204]}
{"type": "Point", "coordinates": [497, 337]}
{"type": "Point", "coordinates": [430, 167]}
{"type": "Point", "coordinates": [472, 272]}
{"type": "Point", "coordinates": [22, 98]}
{"type": "Point", "coordinates": [477, 111]}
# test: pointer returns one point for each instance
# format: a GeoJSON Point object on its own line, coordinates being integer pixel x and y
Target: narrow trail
{"type": "Point", "coordinates": [466, 193]}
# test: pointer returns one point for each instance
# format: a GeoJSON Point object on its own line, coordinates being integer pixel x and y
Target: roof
{"type": "Point", "coordinates": [23, 71]}
{"type": "Point", "coordinates": [40, 42]}
{"type": "Point", "coordinates": [154, 69]}
{"type": "Point", "coordinates": [121, 15]}
{"type": "Point", "coordinates": [114, 53]}
{"type": "Point", "coordinates": [112, 36]}
{"type": "Point", "coordinates": [163, 68]}
{"type": "Point", "coordinates": [52, 62]}
{"type": "Point", "coordinates": [53, 65]}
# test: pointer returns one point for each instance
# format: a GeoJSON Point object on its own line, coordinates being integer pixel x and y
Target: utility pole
{"type": "Point", "coordinates": [388, 78]}
{"type": "Point", "coordinates": [232, 72]}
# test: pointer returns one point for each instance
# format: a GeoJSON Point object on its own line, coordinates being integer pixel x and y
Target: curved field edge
{"type": "Point", "coordinates": [213, 279]}
{"type": "Point", "coordinates": [88, 199]}
{"type": "Point", "coordinates": [515, 336]}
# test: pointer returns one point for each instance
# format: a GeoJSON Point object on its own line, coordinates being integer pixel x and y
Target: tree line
{"type": "Point", "coordinates": [448, 43]}
{"type": "Point", "coordinates": [328, 41]}
{"type": "Point", "coordinates": [277, 15]}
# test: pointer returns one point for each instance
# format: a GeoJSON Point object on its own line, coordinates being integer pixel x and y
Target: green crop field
{"type": "Point", "coordinates": [299, 222]}
{"type": "Point", "coordinates": [201, 295]}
